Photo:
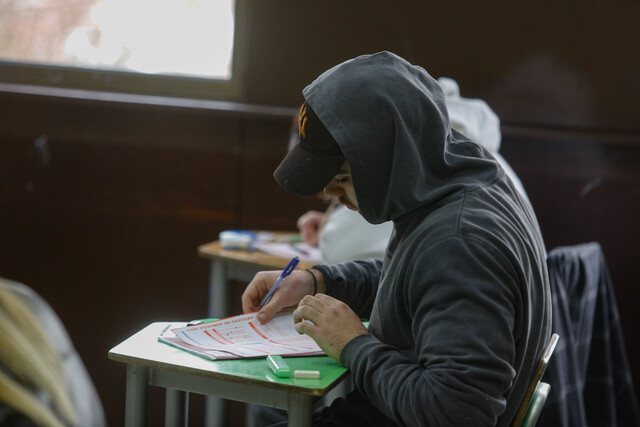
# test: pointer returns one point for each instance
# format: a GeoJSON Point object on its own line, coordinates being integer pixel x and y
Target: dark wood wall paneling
{"type": "Point", "coordinates": [584, 188]}
{"type": "Point", "coordinates": [103, 204]}
{"type": "Point", "coordinates": [551, 64]}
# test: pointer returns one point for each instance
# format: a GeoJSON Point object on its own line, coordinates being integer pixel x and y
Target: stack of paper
{"type": "Point", "coordinates": [243, 337]}
{"type": "Point", "coordinates": [304, 251]}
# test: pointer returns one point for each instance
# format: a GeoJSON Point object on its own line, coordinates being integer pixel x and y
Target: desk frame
{"type": "Point", "coordinates": [150, 363]}
{"type": "Point", "coordinates": [299, 406]}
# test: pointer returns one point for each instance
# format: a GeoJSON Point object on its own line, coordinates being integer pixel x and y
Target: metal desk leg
{"type": "Point", "coordinates": [177, 408]}
{"type": "Point", "coordinates": [300, 410]}
{"type": "Point", "coordinates": [137, 396]}
{"type": "Point", "coordinates": [215, 408]}
{"type": "Point", "coordinates": [218, 289]}
{"type": "Point", "coordinates": [215, 411]}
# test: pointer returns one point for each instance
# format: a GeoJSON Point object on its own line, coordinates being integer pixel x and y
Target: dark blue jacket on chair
{"type": "Point", "coordinates": [589, 374]}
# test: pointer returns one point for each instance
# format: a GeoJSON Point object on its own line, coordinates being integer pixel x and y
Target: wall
{"type": "Point", "coordinates": [103, 204]}
{"type": "Point", "coordinates": [543, 64]}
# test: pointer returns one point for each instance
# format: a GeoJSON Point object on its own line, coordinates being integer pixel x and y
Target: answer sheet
{"type": "Point", "coordinates": [243, 337]}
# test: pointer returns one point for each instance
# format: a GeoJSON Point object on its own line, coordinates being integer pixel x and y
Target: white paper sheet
{"type": "Point", "coordinates": [243, 337]}
{"type": "Point", "coordinates": [304, 251]}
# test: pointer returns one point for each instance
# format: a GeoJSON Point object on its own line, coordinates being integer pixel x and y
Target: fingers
{"type": "Point", "coordinates": [310, 308]}
{"type": "Point", "coordinates": [318, 310]}
{"type": "Point", "coordinates": [305, 328]}
{"type": "Point", "coordinates": [269, 310]}
{"type": "Point", "coordinates": [325, 312]}
{"type": "Point", "coordinates": [307, 315]}
{"type": "Point", "coordinates": [330, 322]}
{"type": "Point", "coordinates": [289, 293]}
{"type": "Point", "coordinates": [249, 301]}
{"type": "Point", "coordinates": [310, 219]}
{"type": "Point", "coordinates": [308, 225]}
{"type": "Point", "coordinates": [256, 290]}
{"type": "Point", "coordinates": [309, 235]}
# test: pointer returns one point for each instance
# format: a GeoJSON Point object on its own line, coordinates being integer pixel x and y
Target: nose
{"type": "Point", "coordinates": [333, 190]}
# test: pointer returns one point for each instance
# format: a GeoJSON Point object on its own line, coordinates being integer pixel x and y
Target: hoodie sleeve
{"type": "Point", "coordinates": [459, 312]}
{"type": "Point", "coordinates": [354, 282]}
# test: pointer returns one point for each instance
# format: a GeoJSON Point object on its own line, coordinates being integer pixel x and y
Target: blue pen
{"type": "Point", "coordinates": [287, 271]}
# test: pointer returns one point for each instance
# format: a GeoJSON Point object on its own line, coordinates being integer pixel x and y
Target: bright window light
{"type": "Point", "coordinates": [166, 37]}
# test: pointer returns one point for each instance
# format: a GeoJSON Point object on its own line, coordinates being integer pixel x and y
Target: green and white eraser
{"type": "Point", "coordinates": [278, 366]}
{"type": "Point", "coordinates": [307, 374]}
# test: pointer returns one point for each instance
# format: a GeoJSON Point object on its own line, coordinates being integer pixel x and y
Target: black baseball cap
{"type": "Point", "coordinates": [314, 160]}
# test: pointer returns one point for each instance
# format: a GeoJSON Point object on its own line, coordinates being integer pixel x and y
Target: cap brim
{"type": "Point", "coordinates": [304, 174]}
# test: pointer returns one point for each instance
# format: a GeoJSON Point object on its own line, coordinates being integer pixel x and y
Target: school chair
{"type": "Point", "coordinates": [50, 384]}
{"type": "Point", "coordinates": [537, 392]}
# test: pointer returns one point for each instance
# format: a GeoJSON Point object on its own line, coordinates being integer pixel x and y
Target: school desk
{"type": "Point", "coordinates": [150, 362]}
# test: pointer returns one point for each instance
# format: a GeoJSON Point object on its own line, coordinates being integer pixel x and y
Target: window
{"type": "Point", "coordinates": [162, 47]}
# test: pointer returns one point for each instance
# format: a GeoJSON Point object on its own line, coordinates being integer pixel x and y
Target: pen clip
{"type": "Point", "coordinates": [294, 262]}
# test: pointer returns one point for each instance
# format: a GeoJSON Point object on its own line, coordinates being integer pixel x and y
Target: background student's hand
{"type": "Point", "coordinates": [309, 226]}
{"type": "Point", "coordinates": [292, 289]}
{"type": "Point", "coordinates": [333, 323]}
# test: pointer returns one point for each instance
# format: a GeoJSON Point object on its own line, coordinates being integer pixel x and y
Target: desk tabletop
{"type": "Point", "coordinates": [257, 259]}
{"type": "Point", "coordinates": [143, 349]}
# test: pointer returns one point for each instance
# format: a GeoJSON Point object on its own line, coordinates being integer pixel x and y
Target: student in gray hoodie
{"type": "Point", "coordinates": [459, 308]}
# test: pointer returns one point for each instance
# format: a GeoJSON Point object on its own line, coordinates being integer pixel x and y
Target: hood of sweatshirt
{"type": "Point", "coordinates": [390, 120]}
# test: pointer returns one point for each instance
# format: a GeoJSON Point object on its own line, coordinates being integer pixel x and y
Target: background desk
{"type": "Point", "coordinates": [227, 265]}
{"type": "Point", "coordinates": [150, 362]}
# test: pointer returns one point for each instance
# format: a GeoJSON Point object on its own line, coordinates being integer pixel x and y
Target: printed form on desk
{"type": "Point", "coordinates": [304, 251]}
{"type": "Point", "coordinates": [243, 337]}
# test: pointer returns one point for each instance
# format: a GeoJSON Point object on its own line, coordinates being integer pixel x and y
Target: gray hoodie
{"type": "Point", "coordinates": [460, 307]}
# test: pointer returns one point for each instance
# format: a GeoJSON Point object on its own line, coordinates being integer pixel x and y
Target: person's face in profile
{"type": "Point", "coordinates": [341, 186]}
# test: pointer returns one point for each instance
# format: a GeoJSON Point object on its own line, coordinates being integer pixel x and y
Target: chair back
{"type": "Point", "coordinates": [536, 389]}
{"type": "Point", "coordinates": [536, 405]}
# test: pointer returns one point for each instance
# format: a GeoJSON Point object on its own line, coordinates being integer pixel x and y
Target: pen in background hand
{"type": "Point", "coordinates": [288, 269]}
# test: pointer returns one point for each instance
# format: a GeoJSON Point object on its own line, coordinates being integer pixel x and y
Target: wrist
{"type": "Point", "coordinates": [318, 285]}
{"type": "Point", "coordinates": [315, 282]}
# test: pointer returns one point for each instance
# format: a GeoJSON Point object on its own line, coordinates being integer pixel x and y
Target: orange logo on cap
{"type": "Point", "coordinates": [302, 121]}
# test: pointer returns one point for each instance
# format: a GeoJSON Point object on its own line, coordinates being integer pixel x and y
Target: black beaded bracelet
{"type": "Point", "coordinates": [315, 282]}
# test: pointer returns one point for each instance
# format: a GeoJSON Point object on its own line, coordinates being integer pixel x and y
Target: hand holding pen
{"type": "Point", "coordinates": [287, 271]}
